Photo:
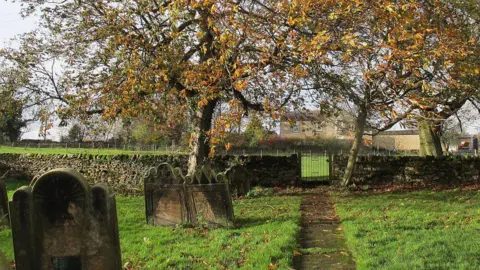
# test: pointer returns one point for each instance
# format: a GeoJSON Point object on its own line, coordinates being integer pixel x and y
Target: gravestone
{"type": "Point", "coordinates": [239, 180]}
{"type": "Point", "coordinates": [172, 199]}
{"type": "Point", "coordinates": [165, 200]}
{"type": "Point", "coordinates": [62, 223]}
{"type": "Point", "coordinates": [4, 219]}
{"type": "Point", "coordinates": [210, 199]}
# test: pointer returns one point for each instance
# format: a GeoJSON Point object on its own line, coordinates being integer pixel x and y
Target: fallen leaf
{"type": "Point", "coordinates": [296, 253]}
{"type": "Point", "coordinates": [272, 266]}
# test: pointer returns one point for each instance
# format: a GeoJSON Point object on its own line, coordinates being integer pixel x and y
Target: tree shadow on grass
{"type": "Point", "coordinates": [423, 195]}
{"type": "Point", "coordinates": [256, 221]}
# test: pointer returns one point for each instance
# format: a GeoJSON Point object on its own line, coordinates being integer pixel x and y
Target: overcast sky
{"type": "Point", "coordinates": [11, 23]}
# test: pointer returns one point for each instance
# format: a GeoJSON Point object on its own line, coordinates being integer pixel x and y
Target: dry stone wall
{"type": "Point", "coordinates": [267, 171]}
{"type": "Point", "coordinates": [124, 173]}
{"type": "Point", "coordinates": [400, 170]}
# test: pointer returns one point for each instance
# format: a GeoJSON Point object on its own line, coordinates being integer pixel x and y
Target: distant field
{"type": "Point", "coordinates": [315, 167]}
{"type": "Point", "coordinates": [58, 150]}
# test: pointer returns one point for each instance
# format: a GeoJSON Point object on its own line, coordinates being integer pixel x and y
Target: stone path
{"type": "Point", "coordinates": [322, 242]}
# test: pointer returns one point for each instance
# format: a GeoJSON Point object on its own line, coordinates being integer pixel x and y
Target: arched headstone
{"type": "Point", "coordinates": [62, 223]}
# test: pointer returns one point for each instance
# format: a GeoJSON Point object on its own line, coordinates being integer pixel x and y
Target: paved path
{"type": "Point", "coordinates": [322, 242]}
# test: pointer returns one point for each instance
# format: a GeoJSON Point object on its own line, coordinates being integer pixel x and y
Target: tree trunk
{"type": "Point", "coordinates": [357, 144]}
{"type": "Point", "coordinates": [430, 143]}
{"type": "Point", "coordinates": [446, 146]}
{"type": "Point", "coordinates": [199, 139]}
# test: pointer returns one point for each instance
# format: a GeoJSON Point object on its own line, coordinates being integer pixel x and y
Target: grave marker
{"type": "Point", "coordinates": [171, 199]}
{"type": "Point", "coordinates": [4, 219]}
{"type": "Point", "coordinates": [62, 223]}
{"type": "Point", "coordinates": [239, 180]}
{"type": "Point", "coordinates": [165, 202]}
{"type": "Point", "coordinates": [210, 199]}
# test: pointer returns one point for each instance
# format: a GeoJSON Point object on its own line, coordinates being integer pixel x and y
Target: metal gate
{"type": "Point", "coordinates": [315, 167]}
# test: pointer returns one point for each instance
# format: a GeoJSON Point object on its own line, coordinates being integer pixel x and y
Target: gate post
{"type": "Point", "coordinates": [331, 170]}
{"type": "Point", "coordinates": [299, 168]}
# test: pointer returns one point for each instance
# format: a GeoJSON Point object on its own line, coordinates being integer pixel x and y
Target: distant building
{"type": "Point", "coordinates": [303, 125]}
{"type": "Point", "coordinates": [315, 125]}
{"type": "Point", "coordinates": [399, 140]}
{"type": "Point", "coordinates": [467, 143]}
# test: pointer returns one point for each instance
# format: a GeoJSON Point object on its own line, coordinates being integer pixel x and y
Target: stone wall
{"type": "Point", "coordinates": [124, 173]}
{"type": "Point", "coordinates": [407, 169]}
{"type": "Point", "coordinates": [269, 171]}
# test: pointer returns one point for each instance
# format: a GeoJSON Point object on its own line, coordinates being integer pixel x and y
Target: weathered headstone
{"type": "Point", "coordinates": [239, 180]}
{"type": "Point", "coordinates": [171, 199]}
{"type": "Point", "coordinates": [210, 199]}
{"type": "Point", "coordinates": [165, 202]}
{"type": "Point", "coordinates": [4, 219]}
{"type": "Point", "coordinates": [62, 223]}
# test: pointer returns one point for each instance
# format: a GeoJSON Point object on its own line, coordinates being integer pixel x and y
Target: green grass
{"type": "Point", "coordinates": [6, 245]}
{"type": "Point", "coordinates": [22, 150]}
{"type": "Point", "coordinates": [315, 167]}
{"type": "Point", "coordinates": [421, 230]}
{"type": "Point", "coordinates": [266, 234]}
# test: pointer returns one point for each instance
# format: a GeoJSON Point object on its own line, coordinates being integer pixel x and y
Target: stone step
{"type": "Point", "coordinates": [335, 260]}
{"type": "Point", "coordinates": [325, 236]}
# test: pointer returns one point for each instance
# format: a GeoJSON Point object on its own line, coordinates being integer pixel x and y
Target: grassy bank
{"type": "Point", "coordinates": [420, 230]}
{"type": "Point", "coordinates": [57, 150]}
{"type": "Point", "coordinates": [265, 237]}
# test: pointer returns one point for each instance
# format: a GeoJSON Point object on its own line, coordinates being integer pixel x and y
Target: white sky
{"type": "Point", "coordinates": [11, 23]}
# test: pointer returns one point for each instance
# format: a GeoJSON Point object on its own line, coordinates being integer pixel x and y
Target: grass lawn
{"type": "Point", "coordinates": [420, 230]}
{"type": "Point", "coordinates": [315, 167]}
{"type": "Point", "coordinates": [22, 150]}
{"type": "Point", "coordinates": [265, 236]}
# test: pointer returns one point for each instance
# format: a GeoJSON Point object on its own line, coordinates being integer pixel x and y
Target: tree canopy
{"type": "Point", "coordinates": [167, 60]}
{"type": "Point", "coordinates": [393, 60]}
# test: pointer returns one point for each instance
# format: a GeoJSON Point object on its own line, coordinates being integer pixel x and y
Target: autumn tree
{"type": "Point", "coordinates": [455, 74]}
{"type": "Point", "coordinates": [36, 69]}
{"type": "Point", "coordinates": [172, 60]}
{"type": "Point", "coordinates": [11, 112]}
{"type": "Point", "coordinates": [76, 133]}
{"type": "Point", "coordinates": [254, 131]}
{"type": "Point", "coordinates": [386, 59]}
{"type": "Point", "coordinates": [11, 121]}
